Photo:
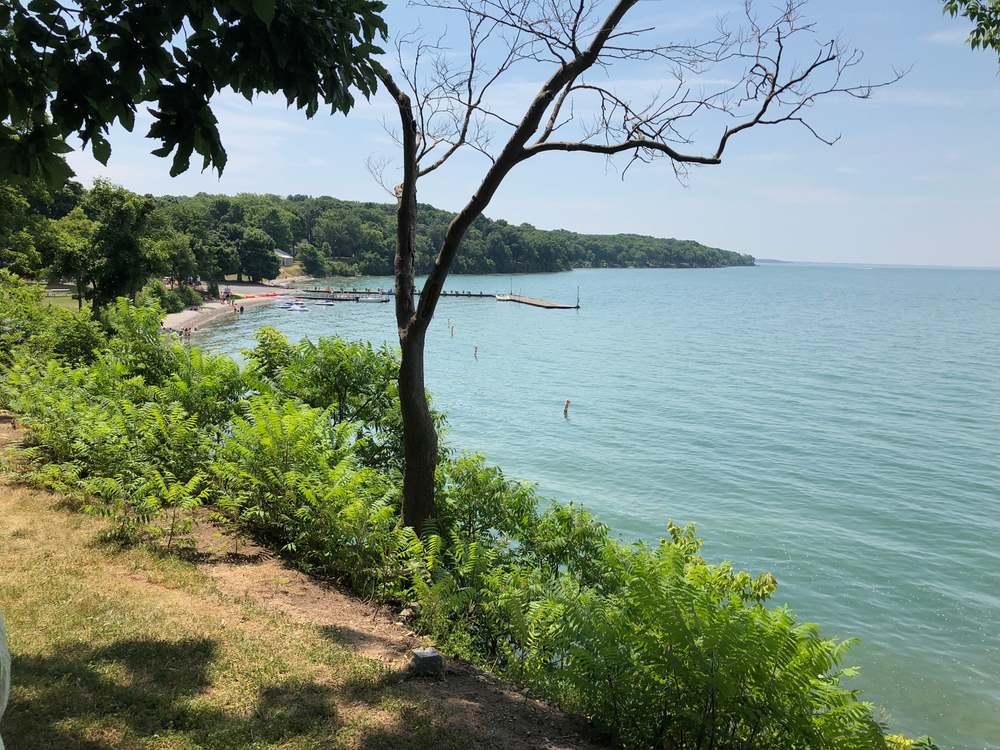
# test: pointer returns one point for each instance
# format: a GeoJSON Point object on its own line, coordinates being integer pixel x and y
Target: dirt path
{"type": "Point", "coordinates": [256, 573]}
{"type": "Point", "coordinates": [500, 716]}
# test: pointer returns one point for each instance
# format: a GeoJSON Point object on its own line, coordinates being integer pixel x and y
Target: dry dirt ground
{"type": "Point", "coordinates": [478, 710]}
{"type": "Point", "coordinates": [496, 714]}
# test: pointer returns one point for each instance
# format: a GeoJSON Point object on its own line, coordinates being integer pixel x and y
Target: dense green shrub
{"type": "Point", "coordinates": [288, 475]}
{"type": "Point", "coordinates": [136, 346]}
{"type": "Point", "coordinates": [311, 260]}
{"type": "Point", "coordinates": [75, 420]}
{"type": "Point", "coordinates": [188, 295]}
{"type": "Point", "coordinates": [673, 652]}
{"type": "Point", "coordinates": [354, 381]}
{"type": "Point", "coordinates": [156, 292]}
{"type": "Point", "coordinates": [658, 647]}
{"type": "Point", "coordinates": [169, 300]}
{"type": "Point", "coordinates": [69, 336]}
{"type": "Point", "coordinates": [32, 328]}
{"type": "Point", "coordinates": [20, 316]}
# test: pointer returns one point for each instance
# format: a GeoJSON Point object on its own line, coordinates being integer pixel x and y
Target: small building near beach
{"type": "Point", "coordinates": [285, 258]}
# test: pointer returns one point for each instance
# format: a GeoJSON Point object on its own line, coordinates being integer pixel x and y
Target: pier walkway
{"type": "Point", "coordinates": [370, 295]}
{"type": "Point", "coordinates": [536, 302]}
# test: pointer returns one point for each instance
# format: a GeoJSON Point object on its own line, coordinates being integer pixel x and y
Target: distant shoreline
{"type": "Point", "coordinates": [209, 311]}
{"type": "Point", "coordinates": [250, 294]}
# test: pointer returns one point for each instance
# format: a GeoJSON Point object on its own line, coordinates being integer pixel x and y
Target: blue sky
{"type": "Point", "coordinates": [914, 178]}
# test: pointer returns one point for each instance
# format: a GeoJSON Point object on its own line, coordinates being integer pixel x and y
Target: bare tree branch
{"type": "Point", "coordinates": [446, 110]}
{"type": "Point", "coordinates": [377, 166]}
{"type": "Point", "coordinates": [450, 112]}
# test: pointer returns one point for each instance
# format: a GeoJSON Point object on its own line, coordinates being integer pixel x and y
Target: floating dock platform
{"type": "Point", "coordinates": [536, 302]}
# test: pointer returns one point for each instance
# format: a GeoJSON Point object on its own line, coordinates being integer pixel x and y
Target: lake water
{"type": "Point", "coordinates": [836, 426]}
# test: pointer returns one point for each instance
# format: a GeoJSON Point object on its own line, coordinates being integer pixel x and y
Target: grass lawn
{"type": "Point", "coordinates": [65, 302]}
{"type": "Point", "coordinates": [291, 272]}
{"type": "Point", "coordinates": [136, 649]}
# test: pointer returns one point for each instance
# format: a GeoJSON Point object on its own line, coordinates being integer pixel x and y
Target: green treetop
{"type": "Point", "coordinates": [79, 68]}
{"type": "Point", "coordinates": [121, 258]}
{"type": "Point", "coordinates": [986, 17]}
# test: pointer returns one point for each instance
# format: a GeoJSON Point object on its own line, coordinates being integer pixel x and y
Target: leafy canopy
{"type": "Point", "coordinates": [121, 258]}
{"type": "Point", "coordinates": [986, 17]}
{"type": "Point", "coordinates": [79, 68]}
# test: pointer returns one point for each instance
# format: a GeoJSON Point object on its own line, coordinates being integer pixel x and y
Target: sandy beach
{"type": "Point", "coordinates": [252, 294]}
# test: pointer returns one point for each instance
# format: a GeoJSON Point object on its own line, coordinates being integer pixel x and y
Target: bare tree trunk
{"type": "Point", "coordinates": [420, 440]}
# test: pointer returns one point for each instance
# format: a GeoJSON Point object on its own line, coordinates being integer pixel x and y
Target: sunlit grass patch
{"type": "Point", "coordinates": [132, 648]}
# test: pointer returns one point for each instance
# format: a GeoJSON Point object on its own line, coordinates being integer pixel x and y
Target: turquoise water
{"type": "Point", "coordinates": [835, 426]}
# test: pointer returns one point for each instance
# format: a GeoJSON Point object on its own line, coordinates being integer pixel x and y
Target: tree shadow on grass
{"type": "Point", "coordinates": [139, 693]}
{"type": "Point", "coordinates": [122, 695]}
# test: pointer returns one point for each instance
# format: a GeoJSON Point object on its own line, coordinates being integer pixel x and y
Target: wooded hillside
{"type": "Point", "coordinates": [359, 238]}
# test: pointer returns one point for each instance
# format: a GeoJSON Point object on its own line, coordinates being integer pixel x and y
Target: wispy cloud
{"type": "Point", "coordinates": [777, 156]}
{"type": "Point", "coordinates": [806, 196]}
{"type": "Point", "coordinates": [934, 98]}
{"type": "Point", "coordinates": [952, 36]}
{"type": "Point", "coordinates": [849, 170]}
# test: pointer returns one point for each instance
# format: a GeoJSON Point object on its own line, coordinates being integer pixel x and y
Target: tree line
{"type": "Point", "coordinates": [108, 241]}
{"type": "Point", "coordinates": [337, 237]}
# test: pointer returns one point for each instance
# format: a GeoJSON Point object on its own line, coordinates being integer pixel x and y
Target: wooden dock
{"type": "Point", "coordinates": [340, 297]}
{"type": "Point", "coordinates": [536, 302]}
{"type": "Point", "coordinates": [354, 295]}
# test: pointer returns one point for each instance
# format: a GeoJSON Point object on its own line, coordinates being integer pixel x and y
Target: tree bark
{"type": "Point", "coordinates": [420, 440]}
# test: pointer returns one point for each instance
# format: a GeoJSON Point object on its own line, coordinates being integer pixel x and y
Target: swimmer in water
{"type": "Point", "coordinates": [566, 409]}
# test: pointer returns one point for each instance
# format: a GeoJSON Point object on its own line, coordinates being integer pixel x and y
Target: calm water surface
{"type": "Point", "coordinates": [835, 426]}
